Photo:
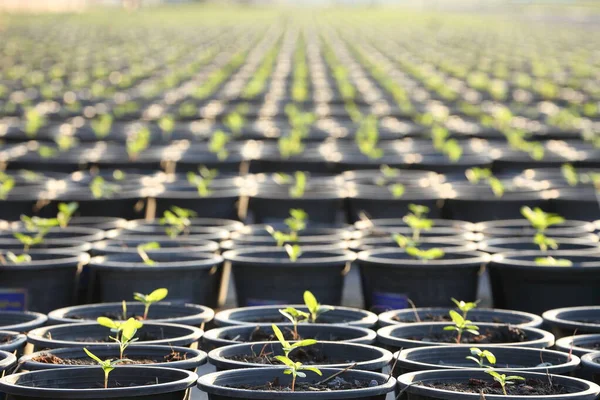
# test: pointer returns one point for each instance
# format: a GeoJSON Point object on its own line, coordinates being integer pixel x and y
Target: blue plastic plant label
{"type": "Point", "coordinates": [263, 302]}
{"type": "Point", "coordinates": [13, 299]}
{"type": "Point", "coordinates": [383, 301]}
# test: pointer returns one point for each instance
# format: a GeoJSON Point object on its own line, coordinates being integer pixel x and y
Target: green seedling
{"type": "Point", "coordinates": [397, 190]}
{"type": "Point", "coordinates": [235, 121]}
{"type": "Point", "coordinates": [295, 316]}
{"type": "Point", "coordinates": [290, 145]}
{"type": "Point", "coordinates": [34, 121]}
{"type": "Point", "coordinates": [314, 308]}
{"type": "Point", "coordinates": [296, 222]}
{"type": "Point", "coordinates": [102, 189]}
{"type": "Point", "coordinates": [66, 142]}
{"type": "Point", "coordinates": [286, 346]}
{"type": "Point", "coordinates": [102, 125]}
{"type": "Point", "coordinates": [402, 241]}
{"type": "Point", "coordinates": [177, 220]}
{"type": "Point", "coordinates": [388, 171]}
{"type": "Point", "coordinates": [6, 187]}
{"type": "Point", "coordinates": [65, 213]}
{"type": "Point", "coordinates": [570, 174]}
{"type": "Point", "coordinates": [149, 299]}
{"type": "Point", "coordinates": [452, 149]}
{"type": "Point", "coordinates": [416, 221]}
{"type": "Point", "coordinates": [142, 251]}
{"type": "Point", "coordinates": [553, 262]}
{"type": "Point", "coordinates": [424, 255]}
{"type": "Point", "coordinates": [138, 142]}
{"type": "Point", "coordinates": [299, 187]}
{"type": "Point", "coordinates": [295, 369]}
{"type": "Point", "coordinates": [465, 306]}
{"type": "Point", "coordinates": [541, 221]}
{"type": "Point", "coordinates": [480, 356]}
{"type": "Point", "coordinates": [293, 251]}
{"type": "Point", "coordinates": [16, 259]}
{"type": "Point", "coordinates": [203, 180]}
{"type": "Point", "coordinates": [217, 144]}
{"type": "Point", "coordinates": [167, 124]}
{"type": "Point", "coordinates": [504, 380]}
{"type": "Point", "coordinates": [107, 365]}
{"type": "Point", "coordinates": [461, 325]}
{"type": "Point", "coordinates": [28, 241]}
{"type": "Point", "coordinates": [47, 151]}
{"type": "Point", "coordinates": [544, 242]}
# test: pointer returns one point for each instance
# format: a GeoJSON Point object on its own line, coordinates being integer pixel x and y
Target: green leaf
{"type": "Point", "coordinates": [311, 302]}
{"type": "Point", "coordinates": [303, 343]}
{"type": "Point", "coordinates": [18, 259]}
{"type": "Point", "coordinates": [397, 190]}
{"type": "Point", "coordinates": [93, 356]}
{"type": "Point", "coordinates": [456, 318]}
{"type": "Point", "coordinates": [157, 295]}
{"type": "Point", "coordinates": [279, 336]}
{"type": "Point", "coordinates": [286, 361]}
{"type": "Point", "coordinates": [570, 174]}
{"type": "Point", "coordinates": [312, 369]}
{"type": "Point", "coordinates": [108, 323]}
{"type": "Point", "coordinates": [293, 251]}
{"type": "Point", "coordinates": [553, 262]}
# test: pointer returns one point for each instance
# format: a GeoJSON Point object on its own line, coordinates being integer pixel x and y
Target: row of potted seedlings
{"type": "Point", "coordinates": [385, 192]}
{"type": "Point", "coordinates": [414, 257]}
{"type": "Point", "coordinates": [294, 351]}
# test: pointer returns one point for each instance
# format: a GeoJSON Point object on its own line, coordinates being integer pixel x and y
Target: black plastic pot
{"type": "Point", "coordinates": [167, 246]}
{"type": "Point", "coordinates": [190, 358]}
{"type": "Point", "coordinates": [398, 337]}
{"type": "Point", "coordinates": [590, 367]}
{"type": "Point", "coordinates": [390, 277]}
{"type": "Point", "coordinates": [228, 335]}
{"type": "Point", "coordinates": [92, 334]}
{"type": "Point", "coordinates": [104, 223]}
{"type": "Point", "coordinates": [340, 355]}
{"type": "Point", "coordinates": [508, 359]}
{"type": "Point", "coordinates": [389, 224]}
{"type": "Point", "coordinates": [155, 233]}
{"type": "Point", "coordinates": [173, 313]}
{"type": "Point", "coordinates": [267, 276]}
{"type": "Point", "coordinates": [501, 245]}
{"type": "Point", "coordinates": [190, 278]}
{"type": "Point", "coordinates": [430, 314]}
{"type": "Point", "coordinates": [272, 204]}
{"type": "Point", "coordinates": [66, 246]}
{"type": "Point", "coordinates": [221, 203]}
{"type": "Point", "coordinates": [519, 283]}
{"type": "Point", "coordinates": [43, 284]}
{"type": "Point", "coordinates": [522, 228]}
{"type": "Point", "coordinates": [83, 383]}
{"type": "Point", "coordinates": [76, 233]}
{"type": "Point", "coordinates": [270, 314]}
{"type": "Point", "coordinates": [12, 341]}
{"type": "Point", "coordinates": [21, 321]}
{"type": "Point", "coordinates": [379, 202]}
{"type": "Point", "coordinates": [413, 385]}
{"type": "Point", "coordinates": [566, 321]}
{"type": "Point", "coordinates": [579, 344]}
{"type": "Point", "coordinates": [446, 244]}
{"type": "Point", "coordinates": [144, 226]}
{"type": "Point", "coordinates": [223, 385]}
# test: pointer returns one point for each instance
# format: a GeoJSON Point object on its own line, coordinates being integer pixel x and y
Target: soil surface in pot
{"type": "Point", "coordinates": [7, 339]}
{"type": "Point", "coordinates": [591, 346]}
{"type": "Point", "coordinates": [307, 356]}
{"type": "Point", "coordinates": [502, 334]}
{"type": "Point", "coordinates": [260, 334]}
{"type": "Point", "coordinates": [336, 383]}
{"type": "Point", "coordinates": [529, 387]}
{"type": "Point", "coordinates": [52, 359]}
{"type": "Point", "coordinates": [142, 337]}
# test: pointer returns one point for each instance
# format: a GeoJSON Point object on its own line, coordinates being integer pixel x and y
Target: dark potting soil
{"type": "Point", "coordinates": [592, 346]}
{"type": "Point", "coordinates": [52, 359]}
{"type": "Point", "coordinates": [261, 335]}
{"type": "Point", "coordinates": [502, 334]}
{"type": "Point", "coordinates": [438, 318]}
{"type": "Point", "coordinates": [529, 387]}
{"type": "Point", "coordinates": [336, 383]}
{"type": "Point", "coordinates": [307, 356]}
{"type": "Point", "coordinates": [7, 339]}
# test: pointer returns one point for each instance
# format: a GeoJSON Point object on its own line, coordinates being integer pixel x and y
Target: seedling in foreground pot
{"type": "Point", "coordinates": [149, 299]}
{"type": "Point", "coordinates": [177, 220]}
{"type": "Point", "coordinates": [465, 306]}
{"type": "Point", "coordinates": [107, 365]}
{"type": "Point", "coordinates": [424, 255]}
{"type": "Point", "coordinates": [480, 356]}
{"type": "Point", "coordinates": [314, 308]}
{"type": "Point", "coordinates": [461, 325]}
{"type": "Point", "coordinates": [295, 369]}
{"type": "Point", "coordinates": [416, 220]}
{"type": "Point", "coordinates": [295, 317]}
{"type": "Point", "coordinates": [553, 262]}
{"type": "Point", "coordinates": [124, 331]}
{"type": "Point", "coordinates": [296, 222]}
{"type": "Point", "coordinates": [293, 251]}
{"type": "Point", "coordinates": [504, 380]}
{"type": "Point", "coordinates": [142, 248]}
{"type": "Point", "coordinates": [286, 346]}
